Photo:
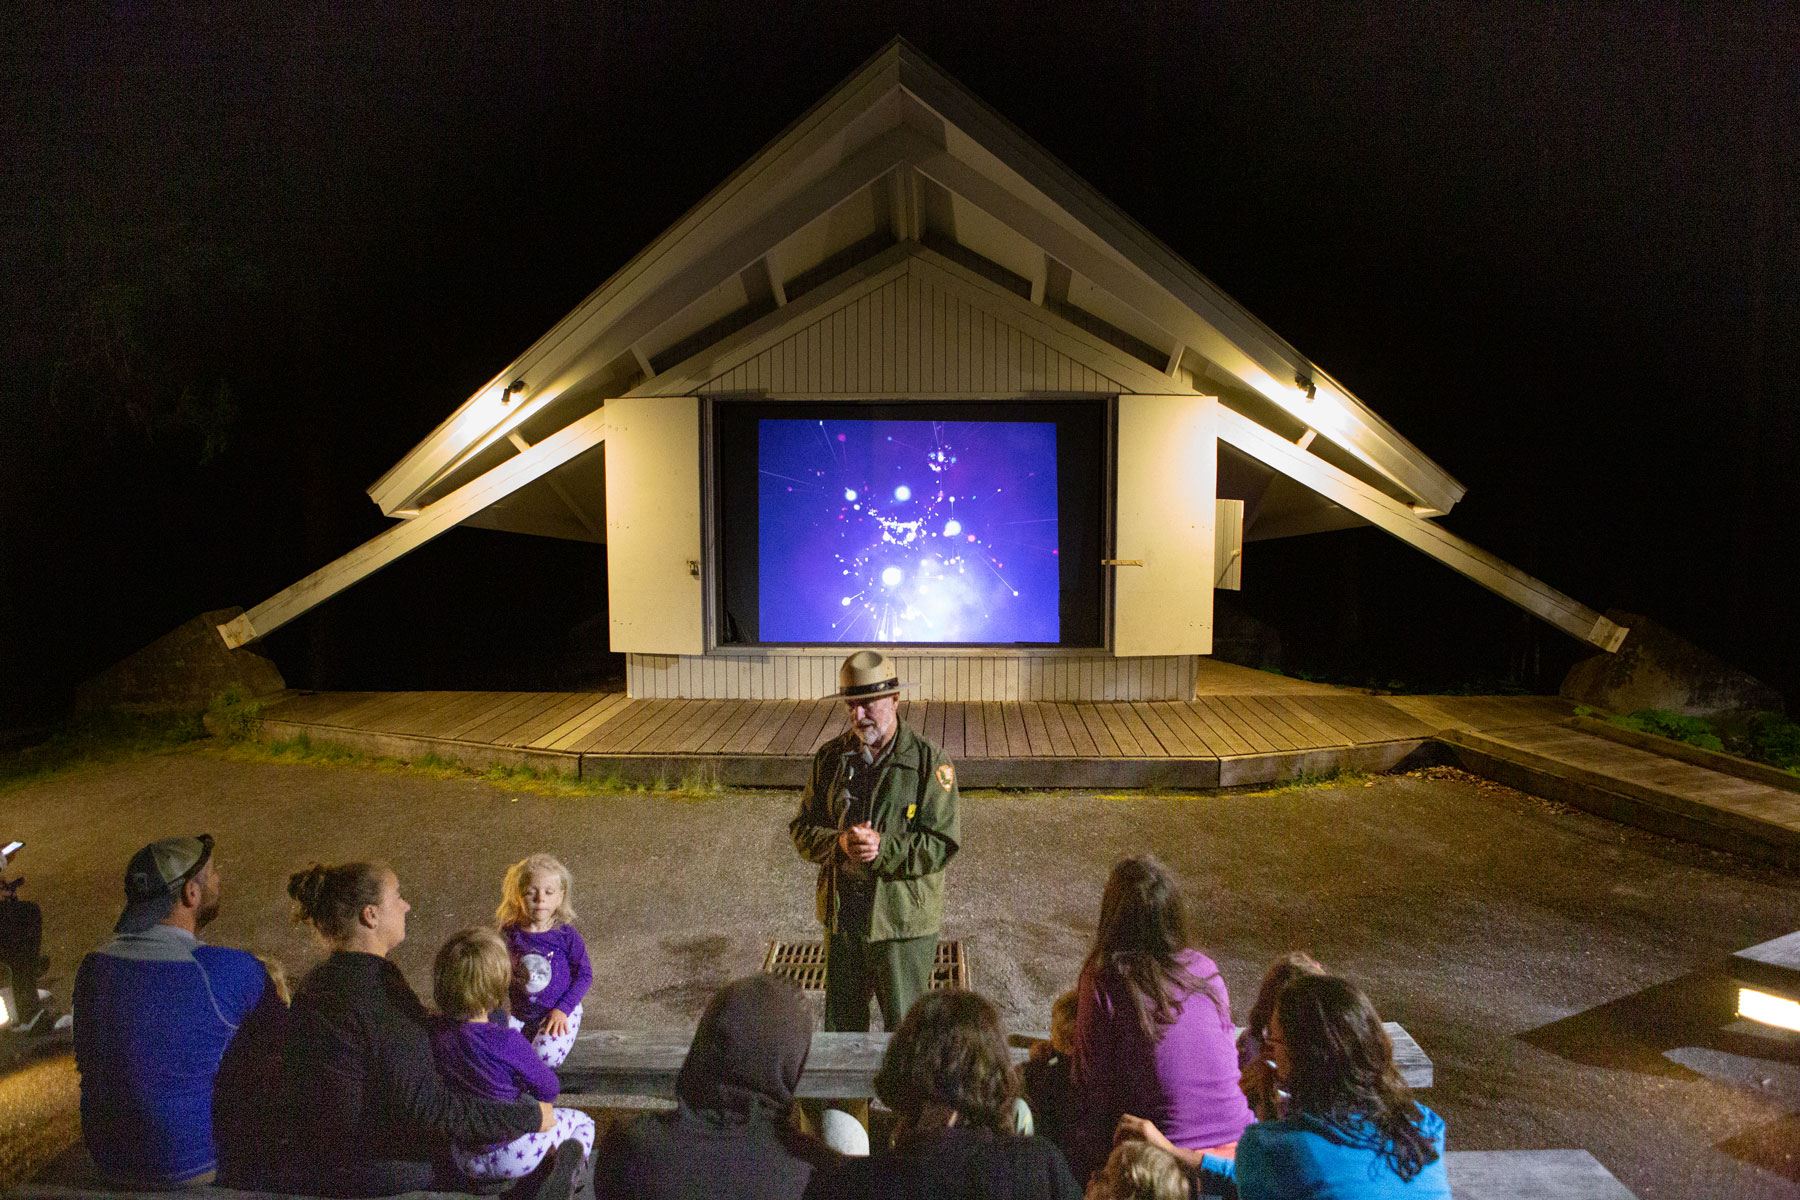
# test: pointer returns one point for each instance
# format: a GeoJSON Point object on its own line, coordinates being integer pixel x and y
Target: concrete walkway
{"type": "Point", "coordinates": [1643, 784]}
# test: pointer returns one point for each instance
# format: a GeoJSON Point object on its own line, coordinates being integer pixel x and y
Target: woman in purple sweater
{"type": "Point", "coordinates": [1153, 1029]}
{"type": "Point", "coordinates": [469, 980]}
{"type": "Point", "coordinates": [549, 960]}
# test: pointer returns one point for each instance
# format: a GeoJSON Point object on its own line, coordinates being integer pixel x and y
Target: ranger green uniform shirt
{"type": "Point", "coordinates": [914, 809]}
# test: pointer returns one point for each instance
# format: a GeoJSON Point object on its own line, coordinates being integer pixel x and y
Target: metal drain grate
{"type": "Point", "coordinates": [804, 964]}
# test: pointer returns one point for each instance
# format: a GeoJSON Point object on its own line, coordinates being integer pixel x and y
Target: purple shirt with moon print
{"type": "Point", "coordinates": [550, 970]}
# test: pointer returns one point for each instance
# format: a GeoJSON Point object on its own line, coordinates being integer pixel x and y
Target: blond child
{"type": "Point", "coordinates": [469, 980]}
{"type": "Point", "coordinates": [550, 966]}
{"type": "Point", "coordinates": [1139, 1171]}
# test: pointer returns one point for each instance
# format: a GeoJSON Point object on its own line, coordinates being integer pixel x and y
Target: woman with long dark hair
{"type": "Point", "coordinates": [1352, 1128]}
{"type": "Point", "coordinates": [950, 1081]}
{"type": "Point", "coordinates": [1153, 1033]}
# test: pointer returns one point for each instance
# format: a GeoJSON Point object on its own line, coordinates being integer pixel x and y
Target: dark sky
{"type": "Point", "coordinates": [1555, 245]}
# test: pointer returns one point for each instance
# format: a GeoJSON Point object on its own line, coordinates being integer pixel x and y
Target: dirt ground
{"type": "Point", "coordinates": [1559, 970]}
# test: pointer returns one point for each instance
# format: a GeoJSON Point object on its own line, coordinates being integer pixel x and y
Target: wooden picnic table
{"type": "Point", "coordinates": [632, 1065]}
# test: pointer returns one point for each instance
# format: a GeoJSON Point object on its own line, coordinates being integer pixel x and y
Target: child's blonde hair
{"type": "Point", "coordinates": [1139, 1171]}
{"type": "Point", "coordinates": [1062, 1023]}
{"type": "Point", "coordinates": [472, 974]}
{"type": "Point", "coordinates": [278, 978]}
{"type": "Point", "coordinates": [512, 890]}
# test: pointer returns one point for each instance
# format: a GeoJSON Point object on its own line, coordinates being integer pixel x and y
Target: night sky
{"type": "Point", "coordinates": [253, 255]}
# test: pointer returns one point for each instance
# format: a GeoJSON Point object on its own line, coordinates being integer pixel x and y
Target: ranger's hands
{"type": "Point", "coordinates": [860, 842]}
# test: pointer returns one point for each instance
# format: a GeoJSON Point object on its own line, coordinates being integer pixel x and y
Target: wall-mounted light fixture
{"type": "Point", "coordinates": [1306, 386]}
{"type": "Point", "coordinates": [1778, 1011]}
{"type": "Point", "coordinates": [515, 388]}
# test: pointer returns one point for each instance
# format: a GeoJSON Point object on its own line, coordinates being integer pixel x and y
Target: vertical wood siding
{"type": "Point", "coordinates": [910, 335]}
{"type": "Point", "coordinates": [999, 676]}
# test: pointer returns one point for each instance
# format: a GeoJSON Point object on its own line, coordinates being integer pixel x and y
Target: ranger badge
{"type": "Point", "coordinates": [946, 775]}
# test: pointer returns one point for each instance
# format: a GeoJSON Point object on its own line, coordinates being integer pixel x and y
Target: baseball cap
{"type": "Point", "coordinates": [154, 878]}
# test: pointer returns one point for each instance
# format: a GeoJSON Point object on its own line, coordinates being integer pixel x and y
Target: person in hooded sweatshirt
{"type": "Point", "coordinates": [729, 1135]}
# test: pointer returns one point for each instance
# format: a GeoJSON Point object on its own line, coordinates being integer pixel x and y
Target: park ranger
{"type": "Point", "coordinates": [879, 816]}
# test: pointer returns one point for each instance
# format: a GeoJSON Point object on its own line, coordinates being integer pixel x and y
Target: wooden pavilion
{"type": "Point", "coordinates": [904, 245]}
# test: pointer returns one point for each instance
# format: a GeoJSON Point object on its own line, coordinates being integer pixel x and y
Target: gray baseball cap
{"type": "Point", "coordinates": [155, 876]}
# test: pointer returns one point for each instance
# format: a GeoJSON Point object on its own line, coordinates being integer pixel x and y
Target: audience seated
{"type": "Point", "coordinates": [730, 1134]}
{"type": "Point", "coordinates": [1140, 1063]}
{"type": "Point", "coordinates": [1153, 1032]}
{"type": "Point", "coordinates": [369, 1112]}
{"type": "Point", "coordinates": [949, 1079]}
{"type": "Point", "coordinates": [1352, 1127]}
{"type": "Point", "coordinates": [155, 1011]}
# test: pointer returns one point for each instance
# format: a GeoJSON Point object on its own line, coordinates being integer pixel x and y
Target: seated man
{"type": "Point", "coordinates": [155, 1010]}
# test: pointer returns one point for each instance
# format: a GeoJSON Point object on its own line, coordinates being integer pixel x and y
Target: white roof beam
{"type": "Point", "coordinates": [1383, 511]}
{"type": "Point", "coordinates": [434, 519]}
{"type": "Point", "coordinates": [622, 317]}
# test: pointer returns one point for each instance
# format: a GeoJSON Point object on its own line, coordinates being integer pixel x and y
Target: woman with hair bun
{"type": "Point", "coordinates": [1352, 1127]}
{"type": "Point", "coordinates": [371, 1116]}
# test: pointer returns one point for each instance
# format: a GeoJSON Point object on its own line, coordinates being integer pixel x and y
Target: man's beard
{"type": "Point", "coordinates": [204, 915]}
{"type": "Point", "coordinates": [870, 734]}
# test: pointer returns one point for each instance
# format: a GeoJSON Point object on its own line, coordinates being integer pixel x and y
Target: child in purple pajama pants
{"type": "Point", "coordinates": [551, 973]}
{"type": "Point", "coordinates": [471, 977]}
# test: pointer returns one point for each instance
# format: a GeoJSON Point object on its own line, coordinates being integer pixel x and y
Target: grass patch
{"type": "Point", "coordinates": [95, 739]}
{"type": "Point", "coordinates": [1307, 780]}
{"type": "Point", "coordinates": [519, 777]}
{"type": "Point", "coordinates": [1773, 739]}
{"type": "Point", "coordinates": [1695, 731]}
{"type": "Point", "coordinates": [1335, 778]}
{"type": "Point", "coordinates": [234, 714]}
{"type": "Point", "coordinates": [1765, 737]}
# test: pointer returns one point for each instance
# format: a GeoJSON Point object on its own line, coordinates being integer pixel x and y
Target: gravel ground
{"type": "Point", "coordinates": [1560, 970]}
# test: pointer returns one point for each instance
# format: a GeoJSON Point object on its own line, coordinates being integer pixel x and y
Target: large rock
{"type": "Point", "coordinates": [1658, 669]}
{"type": "Point", "coordinates": [184, 668]}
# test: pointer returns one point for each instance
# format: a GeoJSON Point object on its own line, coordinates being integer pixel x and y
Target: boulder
{"type": "Point", "coordinates": [183, 669]}
{"type": "Point", "coordinates": [1657, 668]}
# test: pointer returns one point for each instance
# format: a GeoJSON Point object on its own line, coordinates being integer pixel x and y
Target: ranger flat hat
{"type": "Point", "coordinates": [156, 875]}
{"type": "Point", "coordinates": [867, 675]}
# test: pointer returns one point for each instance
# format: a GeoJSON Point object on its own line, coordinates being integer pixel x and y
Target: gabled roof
{"type": "Point", "coordinates": [900, 160]}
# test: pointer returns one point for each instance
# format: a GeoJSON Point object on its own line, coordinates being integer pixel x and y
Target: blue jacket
{"type": "Point", "coordinates": [1300, 1157]}
{"type": "Point", "coordinates": [154, 1012]}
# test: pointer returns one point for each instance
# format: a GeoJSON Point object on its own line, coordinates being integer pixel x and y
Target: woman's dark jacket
{"type": "Point", "coordinates": [957, 1163]}
{"type": "Point", "coordinates": [371, 1116]}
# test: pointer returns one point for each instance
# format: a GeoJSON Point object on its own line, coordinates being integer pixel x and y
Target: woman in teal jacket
{"type": "Point", "coordinates": [1351, 1130]}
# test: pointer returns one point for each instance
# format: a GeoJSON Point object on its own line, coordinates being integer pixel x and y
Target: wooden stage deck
{"type": "Point", "coordinates": [1247, 727]}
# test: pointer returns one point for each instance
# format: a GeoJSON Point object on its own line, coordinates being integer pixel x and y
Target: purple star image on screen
{"type": "Point", "coordinates": [907, 531]}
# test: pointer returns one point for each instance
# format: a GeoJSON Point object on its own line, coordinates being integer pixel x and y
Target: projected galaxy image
{"type": "Point", "coordinates": [907, 531]}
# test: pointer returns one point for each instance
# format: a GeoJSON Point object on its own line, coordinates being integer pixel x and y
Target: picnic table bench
{"type": "Point", "coordinates": [626, 1068]}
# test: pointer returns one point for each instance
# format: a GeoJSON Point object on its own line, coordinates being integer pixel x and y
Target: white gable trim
{"type": "Point", "coordinates": [908, 112]}
{"type": "Point", "coordinates": [1114, 371]}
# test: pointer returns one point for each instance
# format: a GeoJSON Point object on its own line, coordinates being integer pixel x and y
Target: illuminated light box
{"type": "Point", "coordinates": [1768, 1010]}
{"type": "Point", "coordinates": [907, 531]}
